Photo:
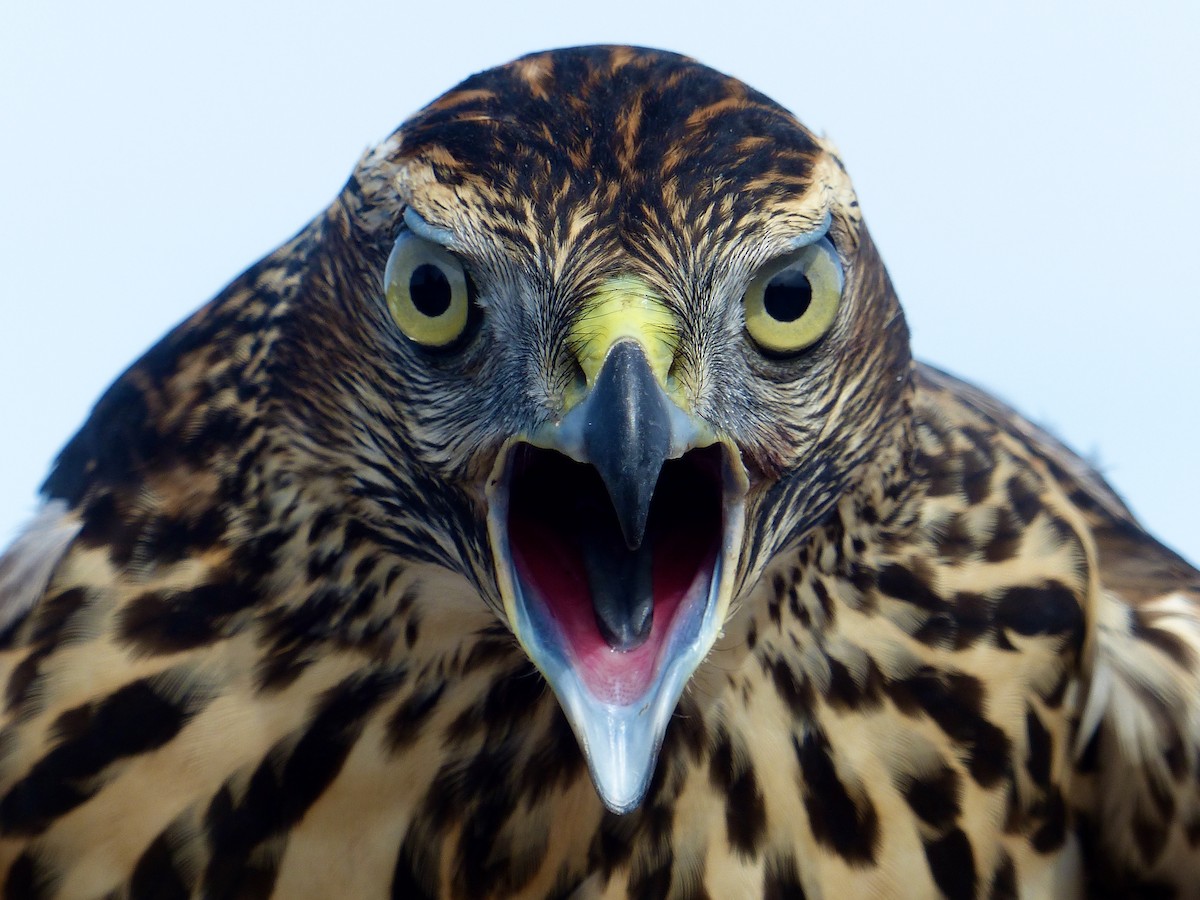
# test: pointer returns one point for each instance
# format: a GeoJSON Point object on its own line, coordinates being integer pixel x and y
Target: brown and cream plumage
{"type": "Point", "coordinates": [585, 418]}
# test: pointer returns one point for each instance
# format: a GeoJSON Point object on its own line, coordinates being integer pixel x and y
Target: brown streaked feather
{"type": "Point", "coordinates": [1137, 791]}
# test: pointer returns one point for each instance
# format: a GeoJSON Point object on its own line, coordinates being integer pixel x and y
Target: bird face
{"type": "Point", "coordinates": [630, 307]}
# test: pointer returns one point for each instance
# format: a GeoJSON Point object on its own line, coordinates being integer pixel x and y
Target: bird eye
{"type": "Point", "coordinates": [793, 301]}
{"type": "Point", "coordinates": [427, 291]}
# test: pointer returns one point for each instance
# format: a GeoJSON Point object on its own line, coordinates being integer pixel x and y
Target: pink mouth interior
{"type": "Point", "coordinates": [550, 495]}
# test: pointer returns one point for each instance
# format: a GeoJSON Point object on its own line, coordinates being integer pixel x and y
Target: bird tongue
{"type": "Point", "coordinates": [613, 607]}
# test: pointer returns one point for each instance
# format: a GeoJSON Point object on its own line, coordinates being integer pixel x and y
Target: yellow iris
{"type": "Point", "coordinates": [426, 291]}
{"type": "Point", "coordinates": [794, 300]}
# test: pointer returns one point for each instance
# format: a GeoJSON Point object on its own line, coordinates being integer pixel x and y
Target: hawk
{"type": "Point", "coordinates": [562, 514]}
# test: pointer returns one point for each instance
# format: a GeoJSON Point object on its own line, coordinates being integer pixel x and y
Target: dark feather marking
{"type": "Point", "coordinates": [282, 664]}
{"type": "Point", "coordinates": [10, 632]}
{"type": "Point", "coordinates": [315, 618]}
{"type": "Point", "coordinates": [797, 693]}
{"type": "Point", "coordinates": [168, 622]}
{"type": "Point", "coordinates": [23, 676]}
{"type": "Point", "coordinates": [167, 540]}
{"type": "Point", "coordinates": [364, 569]}
{"type": "Point", "coordinates": [1175, 648]}
{"type": "Point", "coordinates": [484, 653]}
{"type": "Point", "coordinates": [955, 702]}
{"type": "Point", "coordinates": [823, 598]}
{"type": "Point", "coordinates": [405, 723]}
{"type": "Point", "coordinates": [845, 692]}
{"type": "Point", "coordinates": [487, 866]}
{"type": "Point", "coordinates": [974, 618]}
{"type": "Point", "coordinates": [976, 477]}
{"type": "Point", "coordinates": [322, 563]}
{"type": "Point", "coordinates": [942, 480]}
{"type": "Point", "coordinates": [652, 880]}
{"type": "Point", "coordinates": [781, 879]}
{"type": "Point", "coordinates": [1052, 833]}
{"type": "Point", "coordinates": [1038, 749]}
{"type": "Point", "coordinates": [461, 782]}
{"type": "Point", "coordinates": [1004, 882]}
{"type": "Point", "coordinates": [952, 864]}
{"type": "Point", "coordinates": [1051, 608]}
{"type": "Point", "coordinates": [1057, 692]}
{"type": "Point", "coordinates": [934, 798]}
{"type": "Point", "coordinates": [846, 824]}
{"type": "Point", "coordinates": [965, 620]}
{"type": "Point", "coordinates": [955, 542]}
{"type": "Point", "coordinates": [799, 613]}
{"type": "Point", "coordinates": [614, 842]}
{"type": "Point", "coordinates": [1088, 761]}
{"type": "Point", "coordinates": [1150, 835]}
{"type": "Point", "coordinates": [1108, 879]}
{"type": "Point", "coordinates": [557, 761]}
{"type": "Point", "coordinates": [513, 699]}
{"type": "Point", "coordinates": [27, 880]}
{"type": "Point", "coordinates": [258, 554]}
{"type": "Point", "coordinates": [406, 883]}
{"type": "Point", "coordinates": [105, 526]}
{"type": "Point", "coordinates": [863, 578]}
{"type": "Point", "coordinates": [286, 784]}
{"type": "Point", "coordinates": [745, 812]}
{"type": "Point", "coordinates": [1192, 831]}
{"type": "Point", "coordinates": [118, 439]}
{"type": "Point", "coordinates": [322, 523]}
{"type": "Point", "coordinates": [1163, 794]}
{"type": "Point", "coordinates": [49, 617]}
{"type": "Point", "coordinates": [156, 876]}
{"type": "Point", "coordinates": [134, 719]}
{"type": "Point", "coordinates": [1015, 818]}
{"type": "Point", "coordinates": [904, 584]}
{"type": "Point", "coordinates": [775, 604]}
{"type": "Point", "coordinates": [363, 605]}
{"type": "Point", "coordinates": [1022, 499]}
{"type": "Point", "coordinates": [220, 429]}
{"type": "Point", "coordinates": [1006, 538]}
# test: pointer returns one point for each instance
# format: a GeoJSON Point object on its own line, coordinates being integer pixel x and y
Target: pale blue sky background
{"type": "Point", "coordinates": [1030, 172]}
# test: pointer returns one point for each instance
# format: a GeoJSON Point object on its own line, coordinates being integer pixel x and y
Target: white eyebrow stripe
{"type": "Point", "coordinates": [443, 237]}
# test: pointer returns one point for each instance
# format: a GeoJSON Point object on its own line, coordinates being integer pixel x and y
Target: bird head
{"type": "Point", "coordinates": [628, 340]}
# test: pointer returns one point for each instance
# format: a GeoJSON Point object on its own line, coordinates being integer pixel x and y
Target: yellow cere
{"type": "Point", "coordinates": [625, 307]}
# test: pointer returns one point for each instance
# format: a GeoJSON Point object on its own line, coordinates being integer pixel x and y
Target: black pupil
{"type": "Point", "coordinates": [430, 290]}
{"type": "Point", "coordinates": [787, 296]}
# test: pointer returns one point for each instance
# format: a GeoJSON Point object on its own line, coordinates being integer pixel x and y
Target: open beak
{"type": "Point", "coordinates": [615, 533]}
